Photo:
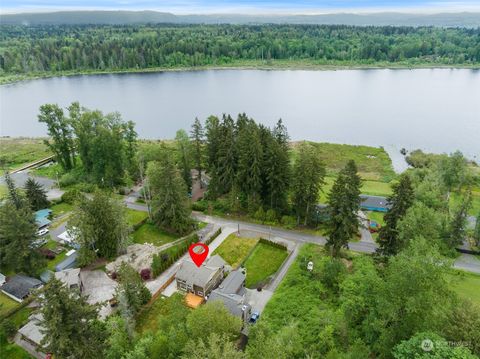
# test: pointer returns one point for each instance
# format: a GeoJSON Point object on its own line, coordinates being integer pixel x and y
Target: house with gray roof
{"type": "Point", "coordinates": [32, 331]}
{"type": "Point", "coordinates": [200, 280]}
{"type": "Point", "coordinates": [20, 286]}
{"type": "Point", "coordinates": [374, 203]}
{"type": "Point", "coordinates": [67, 263]}
{"type": "Point", "coordinates": [231, 292]}
{"type": "Point", "coordinates": [70, 278]}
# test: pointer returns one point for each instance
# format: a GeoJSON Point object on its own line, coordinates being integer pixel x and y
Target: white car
{"type": "Point", "coordinates": [42, 232]}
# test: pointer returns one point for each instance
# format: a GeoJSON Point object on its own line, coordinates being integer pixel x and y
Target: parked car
{"type": "Point", "coordinates": [42, 232]}
{"type": "Point", "coordinates": [38, 243]}
{"type": "Point", "coordinates": [254, 317]}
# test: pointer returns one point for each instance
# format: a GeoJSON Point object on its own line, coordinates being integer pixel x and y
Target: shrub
{"type": "Point", "coordinates": [200, 206]}
{"type": "Point", "coordinates": [145, 273]}
{"type": "Point", "coordinates": [68, 179]}
{"type": "Point", "coordinates": [288, 222]}
{"type": "Point", "coordinates": [71, 196]}
{"type": "Point", "coordinates": [47, 253]}
{"type": "Point", "coordinates": [8, 328]}
{"type": "Point", "coordinates": [271, 216]}
{"type": "Point", "coordinates": [260, 214]}
{"type": "Point", "coordinates": [332, 273]}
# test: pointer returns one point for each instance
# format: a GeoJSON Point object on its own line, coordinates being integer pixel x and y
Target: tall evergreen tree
{"type": "Point", "coordinates": [169, 200]}
{"type": "Point", "coordinates": [344, 204]}
{"type": "Point", "coordinates": [18, 231]}
{"type": "Point", "coordinates": [308, 177]}
{"type": "Point", "coordinates": [400, 200]}
{"type": "Point", "coordinates": [197, 136]}
{"type": "Point", "coordinates": [212, 127]}
{"type": "Point", "coordinates": [13, 194]}
{"type": "Point", "coordinates": [184, 157]}
{"type": "Point", "coordinates": [70, 324]}
{"type": "Point", "coordinates": [132, 288]}
{"type": "Point", "coordinates": [36, 194]}
{"type": "Point", "coordinates": [457, 228]}
{"type": "Point", "coordinates": [99, 225]}
{"type": "Point", "coordinates": [227, 156]}
{"type": "Point", "coordinates": [60, 131]}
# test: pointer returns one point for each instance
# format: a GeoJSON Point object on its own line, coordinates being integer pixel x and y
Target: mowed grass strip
{"type": "Point", "coordinates": [467, 285]}
{"type": "Point", "coordinates": [235, 249]}
{"type": "Point", "coordinates": [135, 217]}
{"type": "Point", "coordinates": [263, 262]}
{"type": "Point", "coordinates": [6, 304]}
{"type": "Point", "coordinates": [148, 233]}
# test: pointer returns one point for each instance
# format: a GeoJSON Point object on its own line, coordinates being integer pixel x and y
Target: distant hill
{"type": "Point", "coordinates": [462, 19]}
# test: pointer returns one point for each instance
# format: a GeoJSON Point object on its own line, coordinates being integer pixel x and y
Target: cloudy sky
{"type": "Point", "coordinates": [244, 6]}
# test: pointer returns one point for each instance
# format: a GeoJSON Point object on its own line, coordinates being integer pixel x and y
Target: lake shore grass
{"type": "Point", "coordinates": [246, 65]}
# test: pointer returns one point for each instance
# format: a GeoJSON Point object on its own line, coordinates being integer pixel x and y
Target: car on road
{"type": "Point", "coordinates": [254, 317]}
{"type": "Point", "coordinates": [38, 243]}
{"type": "Point", "coordinates": [42, 232]}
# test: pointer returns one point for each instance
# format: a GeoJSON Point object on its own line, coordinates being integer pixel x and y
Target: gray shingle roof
{"type": "Point", "coordinates": [32, 330]}
{"type": "Point", "coordinates": [233, 284]}
{"type": "Point", "coordinates": [20, 286]}
{"type": "Point", "coordinates": [233, 302]}
{"type": "Point", "coordinates": [374, 201]}
{"type": "Point", "coordinates": [199, 276]}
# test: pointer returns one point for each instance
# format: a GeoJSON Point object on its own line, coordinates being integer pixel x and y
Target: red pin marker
{"type": "Point", "coordinates": [198, 252]}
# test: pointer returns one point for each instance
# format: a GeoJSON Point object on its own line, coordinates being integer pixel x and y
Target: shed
{"type": "Point", "coordinates": [20, 286]}
{"type": "Point", "coordinates": [69, 262]}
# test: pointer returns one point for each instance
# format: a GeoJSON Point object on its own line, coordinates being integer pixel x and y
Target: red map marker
{"type": "Point", "coordinates": [198, 252]}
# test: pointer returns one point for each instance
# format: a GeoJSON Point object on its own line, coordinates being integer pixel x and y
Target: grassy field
{"type": "Point", "coordinates": [373, 163]}
{"type": "Point", "coordinates": [262, 263]}
{"type": "Point", "coordinates": [161, 309]}
{"type": "Point", "coordinates": [375, 216]}
{"type": "Point", "coordinates": [135, 217]}
{"type": "Point", "coordinates": [6, 304]}
{"type": "Point", "coordinates": [374, 188]}
{"type": "Point", "coordinates": [148, 233]}
{"type": "Point", "coordinates": [53, 171]}
{"type": "Point", "coordinates": [456, 200]}
{"type": "Point", "coordinates": [15, 152]}
{"type": "Point", "coordinates": [61, 208]}
{"type": "Point", "coordinates": [235, 249]}
{"type": "Point", "coordinates": [467, 285]}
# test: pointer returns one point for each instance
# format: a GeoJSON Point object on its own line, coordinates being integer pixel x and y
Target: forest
{"type": "Point", "coordinates": [48, 49]}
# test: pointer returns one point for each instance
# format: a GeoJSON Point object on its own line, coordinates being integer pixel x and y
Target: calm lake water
{"type": "Point", "coordinates": [434, 109]}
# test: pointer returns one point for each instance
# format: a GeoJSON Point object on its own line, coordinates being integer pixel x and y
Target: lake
{"type": "Point", "coordinates": [436, 110]}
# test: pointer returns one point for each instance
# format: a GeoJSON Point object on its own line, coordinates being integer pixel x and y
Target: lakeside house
{"type": "Point", "coordinates": [20, 287]}
{"type": "Point", "coordinates": [231, 292]}
{"type": "Point", "coordinates": [200, 280]}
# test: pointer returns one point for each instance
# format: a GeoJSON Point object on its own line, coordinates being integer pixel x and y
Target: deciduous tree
{"type": "Point", "coordinates": [197, 136]}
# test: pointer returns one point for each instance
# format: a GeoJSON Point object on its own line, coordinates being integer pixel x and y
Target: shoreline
{"type": "Point", "coordinates": [277, 66]}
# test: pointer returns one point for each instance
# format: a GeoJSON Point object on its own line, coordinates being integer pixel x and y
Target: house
{"type": "Point", "coordinates": [200, 280]}
{"type": "Point", "coordinates": [231, 292]}
{"type": "Point", "coordinates": [70, 277]}
{"type": "Point", "coordinates": [98, 288]}
{"type": "Point", "coordinates": [67, 263]}
{"type": "Point", "coordinates": [20, 286]}
{"type": "Point", "coordinates": [41, 217]}
{"type": "Point", "coordinates": [374, 203]}
{"type": "Point", "coordinates": [31, 332]}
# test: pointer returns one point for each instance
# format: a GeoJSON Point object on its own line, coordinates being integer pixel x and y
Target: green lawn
{"type": "Point", "coordinates": [13, 351]}
{"type": "Point", "coordinates": [161, 309]}
{"type": "Point", "coordinates": [262, 263]}
{"type": "Point", "coordinates": [467, 285]}
{"type": "Point", "coordinates": [61, 208]}
{"type": "Point", "coordinates": [375, 216]}
{"type": "Point", "coordinates": [6, 304]}
{"type": "Point", "coordinates": [134, 217]}
{"type": "Point", "coordinates": [16, 152]}
{"type": "Point", "coordinates": [148, 233]}
{"type": "Point", "coordinates": [235, 249]}
{"type": "Point", "coordinates": [374, 188]}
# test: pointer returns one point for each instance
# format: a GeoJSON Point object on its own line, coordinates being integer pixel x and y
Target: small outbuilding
{"type": "Point", "coordinates": [20, 287]}
{"type": "Point", "coordinates": [67, 263]}
{"type": "Point", "coordinates": [374, 203]}
{"type": "Point", "coordinates": [31, 332]}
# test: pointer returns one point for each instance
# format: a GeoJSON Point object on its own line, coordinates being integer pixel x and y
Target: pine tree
{"type": "Point", "coordinates": [400, 200]}
{"type": "Point", "coordinates": [344, 204]}
{"type": "Point", "coordinates": [171, 211]}
{"type": "Point", "coordinates": [13, 194]}
{"type": "Point", "coordinates": [212, 154]}
{"type": "Point", "coordinates": [197, 137]}
{"type": "Point", "coordinates": [457, 228]}
{"type": "Point", "coordinates": [132, 288]}
{"type": "Point", "coordinates": [184, 157]}
{"type": "Point", "coordinates": [227, 156]}
{"type": "Point", "coordinates": [36, 194]}
{"type": "Point", "coordinates": [18, 230]}
{"type": "Point", "coordinates": [70, 324]}
{"type": "Point", "coordinates": [308, 177]}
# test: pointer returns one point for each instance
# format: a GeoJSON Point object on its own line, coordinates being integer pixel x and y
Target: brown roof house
{"type": "Point", "coordinates": [231, 292]}
{"type": "Point", "coordinates": [200, 280]}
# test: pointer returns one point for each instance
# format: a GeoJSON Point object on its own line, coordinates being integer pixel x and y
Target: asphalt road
{"type": "Point", "coordinates": [466, 262]}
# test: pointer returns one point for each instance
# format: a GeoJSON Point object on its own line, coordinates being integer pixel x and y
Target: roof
{"type": "Point", "coordinates": [46, 276]}
{"type": "Point", "coordinates": [69, 276]}
{"type": "Point", "coordinates": [31, 330]}
{"type": "Point", "coordinates": [233, 302]}
{"type": "Point", "coordinates": [200, 276]}
{"type": "Point", "coordinates": [193, 301]}
{"type": "Point", "coordinates": [20, 286]}
{"type": "Point", "coordinates": [99, 288]}
{"type": "Point", "coordinates": [43, 213]}
{"type": "Point", "coordinates": [374, 202]}
{"type": "Point", "coordinates": [234, 283]}
{"type": "Point", "coordinates": [2, 279]}
{"type": "Point", "coordinates": [69, 262]}
{"type": "Point", "coordinates": [42, 222]}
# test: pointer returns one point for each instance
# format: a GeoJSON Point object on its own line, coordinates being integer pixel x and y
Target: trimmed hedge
{"type": "Point", "coordinates": [274, 244]}
{"type": "Point", "coordinates": [215, 235]}
{"type": "Point", "coordinates": [161, 261]}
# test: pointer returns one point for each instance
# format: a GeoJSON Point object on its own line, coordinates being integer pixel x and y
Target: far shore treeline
{"type": "Point", "coordinates": [46, 50]}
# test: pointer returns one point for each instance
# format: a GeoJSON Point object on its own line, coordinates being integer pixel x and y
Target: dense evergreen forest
{"type": "Point", "coordinates": [49, 49]}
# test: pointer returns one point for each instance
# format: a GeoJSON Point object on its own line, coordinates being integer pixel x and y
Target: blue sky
{"type": "Point", "coordinates": [248, 6]}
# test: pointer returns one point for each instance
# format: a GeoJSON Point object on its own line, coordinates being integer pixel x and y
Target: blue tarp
{"type": "Point", "coordinates": [41, 217]}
